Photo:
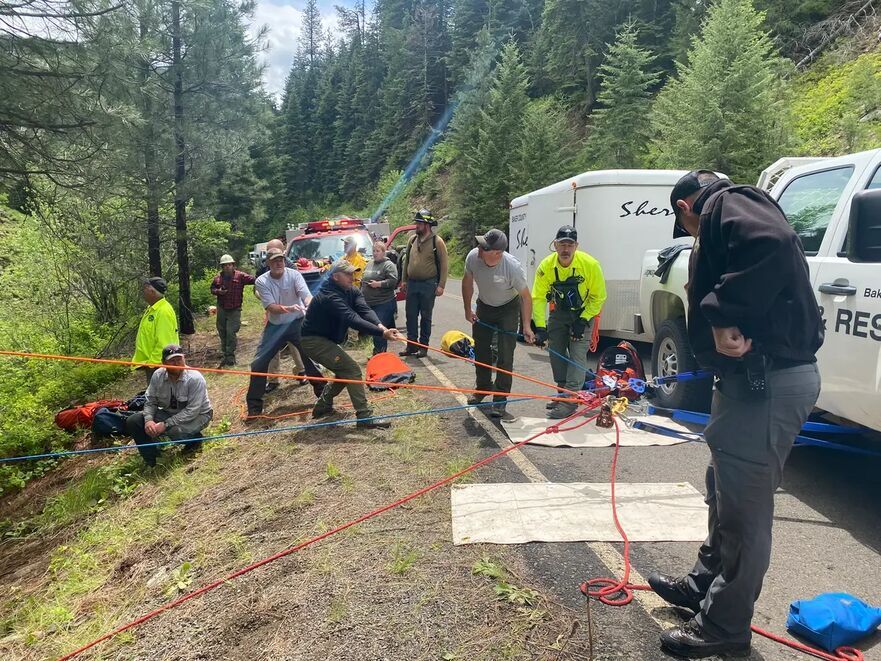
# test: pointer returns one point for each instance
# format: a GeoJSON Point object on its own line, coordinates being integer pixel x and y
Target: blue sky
{"type": "Point", "coordinates": [284, 18]}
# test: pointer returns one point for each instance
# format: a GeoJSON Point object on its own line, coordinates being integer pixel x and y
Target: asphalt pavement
{"type": "Point", "coordinates": [827, 530]}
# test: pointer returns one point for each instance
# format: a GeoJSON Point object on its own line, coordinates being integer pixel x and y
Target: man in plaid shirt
{"type": "Point", "coordinates": [228, 287]}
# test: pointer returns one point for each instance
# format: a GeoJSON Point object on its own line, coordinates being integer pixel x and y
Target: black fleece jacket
{"type": "Point", "coordinates": [748, 270]}
{"type": "Point", "coordinates": [334, 310]}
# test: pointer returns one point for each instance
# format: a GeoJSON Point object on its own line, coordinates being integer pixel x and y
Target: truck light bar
{"type": "Point", "coordinates": [335, 224]}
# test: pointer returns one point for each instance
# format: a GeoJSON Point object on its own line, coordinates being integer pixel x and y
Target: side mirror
{"type": "Point", "coordinates": [864, 227]}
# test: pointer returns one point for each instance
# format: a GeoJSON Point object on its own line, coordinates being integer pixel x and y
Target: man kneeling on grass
{"type": "Point", "coordinates": [177, 406]}
{"type": "Point", "coordinates": [337, 307]}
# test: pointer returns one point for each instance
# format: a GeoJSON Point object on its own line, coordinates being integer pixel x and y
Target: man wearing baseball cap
{"type": "Point", "coordinates": [228, 286]}
{"type": "Point", "coordinates": [158, 326]}
{"type": "Point", "coordinates": [503, 301]}
{"type": "Point", "coordinates": [285, 296]}
{"type": "Point", "coordinates": [571, 282]}
{"type": "Point", "coordinates": [337, 307]}
{"type": "Point", "coordinates": [753, 320]}
{"type": "Point", "coordinates": [177, 406]}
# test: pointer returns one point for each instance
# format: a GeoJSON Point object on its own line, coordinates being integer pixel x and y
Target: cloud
{"type": "Point", "coordinates": [284, 21]}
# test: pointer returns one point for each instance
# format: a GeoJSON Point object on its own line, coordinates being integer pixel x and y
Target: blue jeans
{"type": "Point", "coordinates": [276, 336]}
{"type": "Point", "coordinates": [420, 302]}
{"type": "Point", "coordinates": [386, 313]}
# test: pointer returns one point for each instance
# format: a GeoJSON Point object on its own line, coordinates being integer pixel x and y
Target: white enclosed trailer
{"type": "Point", "coordinates": [619, 214]}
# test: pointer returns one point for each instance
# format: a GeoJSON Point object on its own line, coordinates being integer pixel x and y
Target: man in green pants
{"type": "Point", "coordinates": [571, 281]}
{"type": "Point", "coordinates": [503, 301]}
{"type": "Point", "coordinates": [336, 307]}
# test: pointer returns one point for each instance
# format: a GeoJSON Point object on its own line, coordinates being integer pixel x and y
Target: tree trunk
{"type": "Point", "coordinates": [185, 312]}
{"type": "Point", "coordinates": [151, 198]}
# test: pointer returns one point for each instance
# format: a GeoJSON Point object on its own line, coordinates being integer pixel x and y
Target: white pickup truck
{"type": "Point", "coordinates": [835, 207]}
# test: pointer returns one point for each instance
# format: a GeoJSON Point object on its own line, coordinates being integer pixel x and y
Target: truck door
{"type": "Point", "coordinates": [849, 294]}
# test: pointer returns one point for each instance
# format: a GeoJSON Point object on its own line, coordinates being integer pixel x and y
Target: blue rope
{"type": "Point", "coordinates": [519, 336]}
{"type": "Point", "coordinates": [333, 423]}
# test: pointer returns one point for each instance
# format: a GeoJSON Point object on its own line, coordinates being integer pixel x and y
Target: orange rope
{"type": "Point", "coordinates": [413, 386]}
{"type": "Point", "coordinates": [243, 409]}
{"type": "Point", "coordinates": [493, 367]}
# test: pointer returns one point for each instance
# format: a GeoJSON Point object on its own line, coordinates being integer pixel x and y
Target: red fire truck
{"type": "Point", "coordinates": [313, 247]}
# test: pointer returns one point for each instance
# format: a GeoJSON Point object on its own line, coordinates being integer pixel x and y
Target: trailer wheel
{"type": "Point", "coordinates": [671, 354]}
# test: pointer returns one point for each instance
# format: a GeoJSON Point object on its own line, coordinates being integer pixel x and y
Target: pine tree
{"type": "Point", "coordinates": [723, 109]}
{"type": "Point", "coordinates": [567, 47]}
{"type": "Point", "coordinates": [492, 166]}
{"type": "Point", "coordinates": [621, 128]}
{"type": "Point", "coordinates": [547, 149]}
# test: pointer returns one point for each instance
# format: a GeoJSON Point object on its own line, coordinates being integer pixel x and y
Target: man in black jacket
{"type": "Point", "coordinates": [753, 320]}
{"type": "Point", "coordinates": [336, 307]}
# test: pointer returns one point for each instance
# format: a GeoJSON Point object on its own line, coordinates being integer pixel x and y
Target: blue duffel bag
{"type": "Point", "coordinates": [833, 619]}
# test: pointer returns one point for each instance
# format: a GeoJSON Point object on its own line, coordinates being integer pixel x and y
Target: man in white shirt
{"type": "Point", "coordinates": [285, 297]}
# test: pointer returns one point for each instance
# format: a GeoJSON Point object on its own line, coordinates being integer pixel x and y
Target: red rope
{"type": "Point", "coordinates": [605, 588]}
{"type": "Point", "coordinates": [313, 540]}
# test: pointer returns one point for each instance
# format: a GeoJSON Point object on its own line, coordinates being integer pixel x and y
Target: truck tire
{"type": "Point", "coordinates": [671, 354]}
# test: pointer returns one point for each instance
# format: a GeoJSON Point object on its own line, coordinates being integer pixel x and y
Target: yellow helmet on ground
{"type": "Point", "coordinates": [457, 342]}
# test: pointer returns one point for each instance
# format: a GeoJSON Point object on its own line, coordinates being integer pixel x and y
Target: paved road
{"type": "Point", "coordinates": [827, 534]}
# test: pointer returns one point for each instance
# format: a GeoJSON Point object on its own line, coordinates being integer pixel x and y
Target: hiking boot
{"type": "Point", "coordinates": [475, 399]}
{"type": "Point", "coordinates": [561, 410]}
{"type": "Point", "coordinates": [373, 424]}
{"type": "Point", "coordinates": [409, 351]}
{"type": "Point", "coordinates": [270, 387]}
{"type": "Point", "coordinates": [422, 353]}
{"type": "Point", "coordinates": [690, 641]}
{"type": "Point", "coordinates": [551, 403]}
{"type": "Point", "coordinates": [322, 412]}
{"type": "Point", "coordinates": [191, 448]}
{"type": "Point", "coordinates": [499, 411]}
{"type": "Point", "coordinates": [674, 591]}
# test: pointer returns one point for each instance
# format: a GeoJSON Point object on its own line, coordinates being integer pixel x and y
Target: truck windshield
{"type": "Point", "coordinates": [328, 246]}
{"type": "Point", "coordinates": [809, 202]}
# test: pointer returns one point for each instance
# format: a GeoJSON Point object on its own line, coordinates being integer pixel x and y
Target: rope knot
{"type": "Point", "coordinates": [553, 429]}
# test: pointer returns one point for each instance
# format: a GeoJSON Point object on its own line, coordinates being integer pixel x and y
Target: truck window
{"type": "Point", "coordinates": [876, 180]}
{"type": "Point", "coordinates": [809, 202]}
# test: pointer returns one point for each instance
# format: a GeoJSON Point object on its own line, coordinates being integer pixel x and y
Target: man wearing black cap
{"type": "Point", "coordinates": [337, 307]}
{"type": "Point", "coordinates": [177, 406]}
{"type": "Point", "coordinates": [158, 326]}
{"type": "Point", "coordinates": [571, 281]}
{"type": "Point", "coordinates": [503, 300]}
{"type": "Point", "coordinates": [753, 319]}
{"type": "Point", "coordinates": [423, 278]}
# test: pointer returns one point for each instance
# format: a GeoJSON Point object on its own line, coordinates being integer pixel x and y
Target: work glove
{"type": "Point", "coordinates": [541, 337]}
{"type": "Point", "coordinates": [578, 328]}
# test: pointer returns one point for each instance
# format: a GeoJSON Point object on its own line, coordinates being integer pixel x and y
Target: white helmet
{"type": "Point", "coordinates": [226, 259]}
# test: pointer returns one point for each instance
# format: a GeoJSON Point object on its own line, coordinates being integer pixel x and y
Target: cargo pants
{"type": "Point", "coordinates": [334, 358]}
{"type": "Point", "coordinates": [749, 437]}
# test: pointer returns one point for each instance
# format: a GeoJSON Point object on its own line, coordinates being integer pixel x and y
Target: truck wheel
{"type": "Point", "coordinates": [671, 354]}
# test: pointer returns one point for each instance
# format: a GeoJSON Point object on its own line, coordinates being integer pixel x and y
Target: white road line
{"type": "Point", "coordinates": [607, 553]}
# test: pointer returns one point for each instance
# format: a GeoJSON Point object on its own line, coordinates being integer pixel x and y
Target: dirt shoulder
{"type": "Point", "coordinates": [391, 588]}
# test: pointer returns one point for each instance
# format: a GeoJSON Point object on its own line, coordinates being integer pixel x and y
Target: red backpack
{"type": "Point", "coordinates": [80, 417]}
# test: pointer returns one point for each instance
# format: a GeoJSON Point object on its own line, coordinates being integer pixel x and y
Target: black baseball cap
{"type": "Point", "coordinates": [492, 240]}
{"type": "Point", "coordinates": [158, 284]}
{"type": "Point", "coordinates": [172, 351]}
{"type": "Point", "coordinates": [688, 185]}
{"type": "Point", "coordinates": [566, 233]}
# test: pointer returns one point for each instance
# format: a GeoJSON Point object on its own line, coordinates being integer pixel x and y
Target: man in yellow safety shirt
{"type": "Point", "coordinates": [572, 282]}
{"type": "Point", "coordinates": [158, 327]}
